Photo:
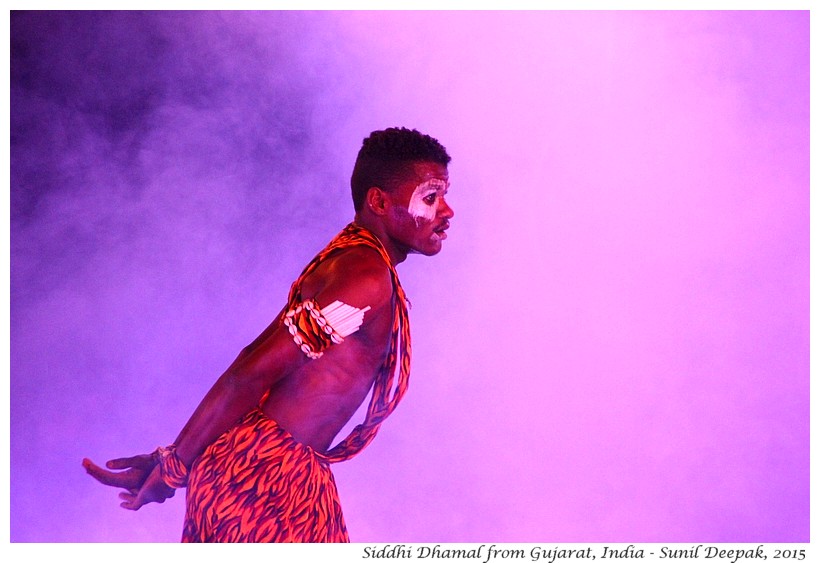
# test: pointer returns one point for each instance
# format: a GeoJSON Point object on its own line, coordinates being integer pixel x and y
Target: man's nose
{"type": "Point", "coordinates": [446, 210]}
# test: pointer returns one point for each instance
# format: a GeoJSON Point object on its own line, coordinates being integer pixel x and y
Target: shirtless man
{"type": "Point", "coordinates": [255, 454]}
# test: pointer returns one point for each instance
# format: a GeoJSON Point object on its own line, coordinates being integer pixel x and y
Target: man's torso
{"type": "Point", "coordinates": [314, 402]}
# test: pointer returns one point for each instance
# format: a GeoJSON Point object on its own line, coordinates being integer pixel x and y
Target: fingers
{"type": "Point", "coordinates": [138, 491]}
{"type": "Point", "coordinates": [132, 478]}
{"type": "Point", "coordinates": [127, 479]}
{"type": "Point", "coordinates": [129, 501]}
{"type": "Point", "coordinates": [144, 461]}
{"type": "Point", "coordinates": [101, 475]}
{"type": "Point", "coordinates": [133, 499]}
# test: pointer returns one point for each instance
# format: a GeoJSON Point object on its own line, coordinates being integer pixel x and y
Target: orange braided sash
{"type": "Point", "coordinates": [387, 391]}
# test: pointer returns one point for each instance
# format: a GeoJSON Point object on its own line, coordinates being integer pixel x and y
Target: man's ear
{"type": "Point", "coordinates": [377, 200]}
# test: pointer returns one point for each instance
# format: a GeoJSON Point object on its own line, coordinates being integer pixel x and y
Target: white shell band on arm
{"type": "Point", "coordinates": [314, 330]}
{"type": "Point", "coordinates": [345, 319]}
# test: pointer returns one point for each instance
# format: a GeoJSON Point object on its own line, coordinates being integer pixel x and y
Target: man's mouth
{"type": "Point", "coordinates": [440, 231]}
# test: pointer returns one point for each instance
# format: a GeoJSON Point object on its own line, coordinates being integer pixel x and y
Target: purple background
{"type": "Point", "coordinates": [612, 346]}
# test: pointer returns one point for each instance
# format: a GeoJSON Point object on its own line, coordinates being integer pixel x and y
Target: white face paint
{"type": "Point", "coordinates": [422, 207]}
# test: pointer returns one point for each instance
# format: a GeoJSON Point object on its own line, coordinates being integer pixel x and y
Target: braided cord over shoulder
{"type": "Point", "coordinates": [387, 391]}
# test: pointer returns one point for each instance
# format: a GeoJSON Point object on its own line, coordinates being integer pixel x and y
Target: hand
{"type": "Point", "coordinates": [153, 490]}
{"type": "Point", "coordinates": [136, 471]}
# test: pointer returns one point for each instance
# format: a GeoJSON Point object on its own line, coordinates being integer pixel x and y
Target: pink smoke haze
{"type": "Point", "coordinates": [613, 345]}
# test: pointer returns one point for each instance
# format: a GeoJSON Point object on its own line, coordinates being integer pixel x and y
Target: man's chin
{"type": "Point", "coordinates": [429, 250]}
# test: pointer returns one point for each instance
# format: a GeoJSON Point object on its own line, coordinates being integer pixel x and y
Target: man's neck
{"type": "Point", "coordinates": [397, 255]}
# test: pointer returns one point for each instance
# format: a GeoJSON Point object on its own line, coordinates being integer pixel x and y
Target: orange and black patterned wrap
{"type": "Point", "coordinates": [257, 484]}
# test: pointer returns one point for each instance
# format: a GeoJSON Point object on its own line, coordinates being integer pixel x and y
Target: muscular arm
{"type": "Point", "coordinates": [357, 277]}
{"type": "Point", "coordinates": [271, 356]}
{"type": "Point", "coordinates": [238, 390]}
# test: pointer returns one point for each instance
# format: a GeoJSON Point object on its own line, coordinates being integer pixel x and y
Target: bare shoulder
{"type": "Point", "coordinates": [357, 276]}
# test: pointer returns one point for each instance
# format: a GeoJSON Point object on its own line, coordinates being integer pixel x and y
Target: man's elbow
{"type": "Point", "coordinates": [243, 353]}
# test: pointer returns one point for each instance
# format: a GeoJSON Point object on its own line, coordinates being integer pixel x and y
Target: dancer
{"type": "Point", "coordinates": [255, 455]}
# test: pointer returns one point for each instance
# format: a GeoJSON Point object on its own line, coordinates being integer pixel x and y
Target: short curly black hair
{"type": "Point", "coordinates": [385, 157]}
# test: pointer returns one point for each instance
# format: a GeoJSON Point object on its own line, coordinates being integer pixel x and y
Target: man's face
{"type": "Point", "coordinates": [421, 215]}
